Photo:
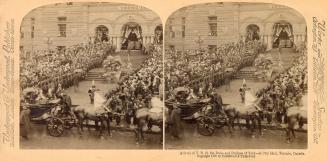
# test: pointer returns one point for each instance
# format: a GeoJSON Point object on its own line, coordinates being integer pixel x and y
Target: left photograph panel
{"type": "Point", "coordinates": [91, 77]}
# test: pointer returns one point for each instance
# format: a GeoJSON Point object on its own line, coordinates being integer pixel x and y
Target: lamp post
{"type": "Point", "coordinates": [47, 40]}
{"type": "Point", "coordinates": [199, 41]}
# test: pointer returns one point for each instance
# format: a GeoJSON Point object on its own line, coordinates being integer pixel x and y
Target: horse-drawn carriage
{"type": "Point", "coordinates": [52, 114]}
{"type": "Point", "coordinates": [202, 111]}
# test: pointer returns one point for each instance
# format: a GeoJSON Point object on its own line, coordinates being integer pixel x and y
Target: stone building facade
{"type": "Point", "coordinates": [56, 26]}
{"type": "Point", "coordinates": [212, 24]}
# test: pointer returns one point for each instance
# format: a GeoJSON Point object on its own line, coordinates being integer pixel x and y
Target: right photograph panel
{"type": "Point", "coordinates": [236, 77]}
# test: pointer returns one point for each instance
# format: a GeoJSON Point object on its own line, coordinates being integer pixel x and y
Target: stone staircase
{"type": "Point", "coordinates": [136, 57]}
{"type": "Point", "coordinates": [246, 73]}
{"type": "Point", "coordinates": [95, 74]}
{"type": "Point", "coordinates": [287, 57]}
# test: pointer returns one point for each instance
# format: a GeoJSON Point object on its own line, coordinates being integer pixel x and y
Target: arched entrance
{"type": "Point", "coordinates": [131, 31]}
{"type": "Point", "coordinates": [158, 34]}
{"type": "Point", "coordinates": [252, 32]}
{"type": "Point", "coordinates": [283, 35]}
{"type": "Point", "coordinates": [101, 34]}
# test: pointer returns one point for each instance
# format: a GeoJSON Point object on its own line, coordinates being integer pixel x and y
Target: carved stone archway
{"type": "Point", "coordinates": [283, 35]}
{"type": "Point", "coordinates": [252, 32]}
{"type": "Point", "coordinates": [101, 34]}
{"type": "Point", "coordinates": [131, 31]}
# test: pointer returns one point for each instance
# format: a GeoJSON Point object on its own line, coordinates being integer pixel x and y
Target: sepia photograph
{"type": "Point", "coordinates": [236, 77]}
{"type": "Point", "coordinates": [91, 77]}
{"type": "Point", "coordinates": [186, 80]}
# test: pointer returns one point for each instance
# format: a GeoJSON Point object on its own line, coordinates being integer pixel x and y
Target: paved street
{"type": "Point", "coordinates": [121, 139]}
{"type": "Point", "coordinates": [39, 139]}
{"type": "Point", "coordinates": [221, 139]}
{"type": "Point", "coordinates": [271, 139]}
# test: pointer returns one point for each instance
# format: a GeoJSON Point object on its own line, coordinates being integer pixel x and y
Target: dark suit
{"type": "Point", "coordinates": [25, 123]}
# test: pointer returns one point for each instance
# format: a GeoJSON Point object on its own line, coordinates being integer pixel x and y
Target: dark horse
{"type": "Point", "coordinates": [99, 113]}
{"type": "Point", "coordinates": [295, 117]}
{"type": "Point", "coordinates": [102, 118]}
{"type": "Point", "coordinates": [145, 117]}
{"type": "Point", "coordinates": [149, 122]}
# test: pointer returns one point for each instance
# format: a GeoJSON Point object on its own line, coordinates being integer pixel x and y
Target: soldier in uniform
{"type": "Point", "coordinates": [242, 91]}
{"type": "Point", "coordinates": [91, 93]}
{"type": "Point", "coordinates": [76, 82]}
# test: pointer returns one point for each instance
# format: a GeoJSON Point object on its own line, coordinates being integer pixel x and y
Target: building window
{"type": "Point", "coordinates": [170, 28]}
{"type": "Point", "coordinates": [62, 19]}
{"type": "Point", "coordinates": [183, 26]}
{"type": "Point", "coordinates": [32, 27]}
{"type": "Point", "coordinates": [172, 33]}
{"type": "Point", "coordinates": [62, 27]}
{"type": "Point", "coordinates": [21, 48]}
{"type": "Point", "coordinates": [62, 30]}
{"type": "Point", "coordinates": [61, 49]}
{"type": "Point", "coordinates": [21, 35]}
{"type": "Point", "coordinates": [212, 22]}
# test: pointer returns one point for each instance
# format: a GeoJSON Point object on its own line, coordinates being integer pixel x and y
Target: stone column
{"type": "Point", "coordinates": [151, 39]}
{"type": "Point", "coordinates": [143, 40]}
{"type": "Point", "coordinates": [270, 42]}
{"type": "Point", "coordinates": [243, 38]}
{"type": "Point", "coordinates": [118, 43]}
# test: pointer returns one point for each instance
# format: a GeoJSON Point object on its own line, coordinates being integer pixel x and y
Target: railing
{"type": "Point", "coordinates": [66, 79]}
{"type": "Point", "coordinates": [218, 79]}
{"type": "Point", "coordinates": [268, 39]}
{"type": "Point", "coordinates": [117, 40]}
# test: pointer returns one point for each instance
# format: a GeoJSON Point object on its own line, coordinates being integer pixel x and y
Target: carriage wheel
{"type": "Point", "coordinates": [55, 127]}
{"type": "Point", "coordinates": [206, 126]}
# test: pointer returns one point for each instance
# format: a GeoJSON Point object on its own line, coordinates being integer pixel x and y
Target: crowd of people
{"type": "Point", "coordinates": [286, 90]}
{"type": "Point", "coordinates": [263, 65]}
{"type": "Point", "coordinates": [48, 66]}
{"type": "Point", "coordinates": [112, 64]}
{"type": "Point", "coordinates": [199, 69]}
{"type": "Point", "coordinates": [134, 91]}
{"type": "Point", "coordinates": [137, 89]}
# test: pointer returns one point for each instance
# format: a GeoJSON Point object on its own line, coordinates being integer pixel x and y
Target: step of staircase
{"type": "Point", "coordinates": [95, 74]}
{"type": "Point", "coordinates": [136, 57]}
{"type": "Point", "coordinates": [246, 73]}
{"type": "Point", "coordinates": [287, 56]}
{"type": "Point", "coordinates": [95, 79]}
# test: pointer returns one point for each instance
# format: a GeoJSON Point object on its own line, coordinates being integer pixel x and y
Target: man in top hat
{"type": "Point", "coordinates": [24, 122]}
{"type": "Point", "coordinates": [175, 118]}
{"type": "Point", "coordinates": [66, 101]}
